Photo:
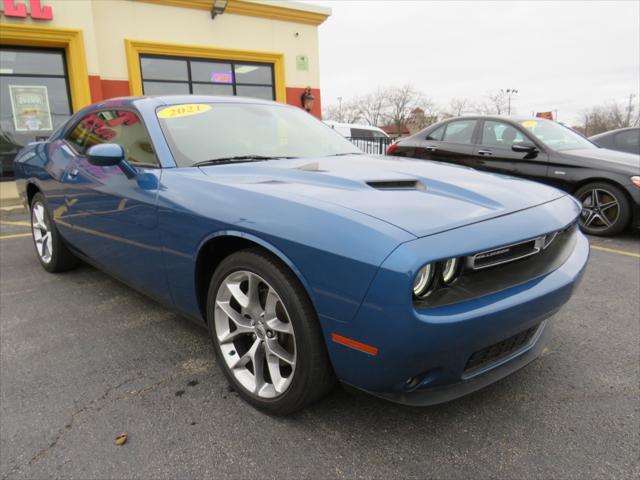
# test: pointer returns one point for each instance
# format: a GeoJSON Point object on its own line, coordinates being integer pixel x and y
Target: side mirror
{"type": "Point", "coordinates": [110, 155]}
{"type": "Point", "coordinates": [105, 155]}
{"type": "Point", "coordinates": [524, 147]}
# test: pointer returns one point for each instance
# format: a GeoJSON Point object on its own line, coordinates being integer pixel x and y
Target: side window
{"type": "Point", "coordinates": [436, 134]}
{"type": "Point", "coordinates": [360, 133]}
{"type": "Point", "coordinates": [629, 140]}
{"type": "Point", "coordinates": [460, 131]}
{"type": "Point", "coordinates": [78, 137]}
{"type": "Point", "coordinates": [500, 135]}
{"type": "Point", "coordinates": [126, 129]}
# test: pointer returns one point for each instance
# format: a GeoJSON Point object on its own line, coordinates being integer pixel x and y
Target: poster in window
{"type": "Point", "coordinates": [31, 111]}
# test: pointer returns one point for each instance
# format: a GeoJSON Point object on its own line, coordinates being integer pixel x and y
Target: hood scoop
{"type": "Point", "coordinates": [397, 185]}
{"type": "Point", "coordinates": [310, 167]}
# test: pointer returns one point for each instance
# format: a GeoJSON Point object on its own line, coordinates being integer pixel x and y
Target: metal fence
{"type": "Point", "coordinates": [372, 145]}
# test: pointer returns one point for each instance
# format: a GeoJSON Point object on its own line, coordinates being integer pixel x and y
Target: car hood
{"type": "Point", "coordinates": [420, 197]}
{"type": "Point", "coordinates": [604, 158]}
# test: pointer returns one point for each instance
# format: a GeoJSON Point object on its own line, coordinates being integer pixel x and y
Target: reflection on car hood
{"type": "Point", "coordinates": [605, 158]}
{"type": "Point", "coordinates": [420, 197]}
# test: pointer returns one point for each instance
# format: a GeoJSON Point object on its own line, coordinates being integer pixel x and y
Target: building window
{"type": "Point", "coordinates": [34, 99]}
{"type": "Point", "coordinates": [173, 75]}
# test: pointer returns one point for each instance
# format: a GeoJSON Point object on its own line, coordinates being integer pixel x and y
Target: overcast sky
{"type": "Point", "coordinates": [564, 55]}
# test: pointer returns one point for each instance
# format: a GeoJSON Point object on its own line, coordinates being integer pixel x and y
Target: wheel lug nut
{"type": "Point", "coordinates": [269, 334]}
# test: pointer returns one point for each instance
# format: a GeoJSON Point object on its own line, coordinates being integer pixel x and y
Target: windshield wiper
{"type": "Point", "coordinates": [237, 159]}
{"type": "Point", "coordinates": [346, 153]}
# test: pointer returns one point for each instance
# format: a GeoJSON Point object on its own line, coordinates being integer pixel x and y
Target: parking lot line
{"type": "Point", "coordinates": [613, 250]}
{"type": "Point", "coordinates": [17, 235]}
{"type": "Point", "coordinates": [19, 224]}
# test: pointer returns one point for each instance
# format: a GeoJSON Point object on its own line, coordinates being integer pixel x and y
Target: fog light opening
{"type": "Point", "coordinates": [411, 382]}
{"type": "Point", "coordinates": [422, 380]}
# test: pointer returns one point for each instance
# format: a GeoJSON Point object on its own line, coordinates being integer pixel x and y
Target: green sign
{"type": "Point", "coordinates": [302, 62]}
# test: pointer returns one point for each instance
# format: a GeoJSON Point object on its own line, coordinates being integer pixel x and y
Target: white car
{"type": "Point", "coordinates": [371, 140]}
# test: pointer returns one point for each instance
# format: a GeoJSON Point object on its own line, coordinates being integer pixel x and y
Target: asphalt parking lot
{"type": "Point", "coordinates": [83, 359]}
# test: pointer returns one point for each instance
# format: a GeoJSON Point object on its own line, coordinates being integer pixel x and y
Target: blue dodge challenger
{"type": "Point", "coordinates": [307, 260]}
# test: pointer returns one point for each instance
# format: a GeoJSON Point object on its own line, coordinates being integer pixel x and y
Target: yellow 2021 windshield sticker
{"type": "Point", "coordinates": [183, 110]}
{"type": "Point", "coordinates": [529, 123]}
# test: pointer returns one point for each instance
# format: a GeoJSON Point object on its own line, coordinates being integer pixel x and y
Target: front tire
{"type": "Point", "coordinates": [605, 209]}
{"type": "Point", "coordinates": [53, 254]}
{"type": "Point", "coordinates": [266, 334]}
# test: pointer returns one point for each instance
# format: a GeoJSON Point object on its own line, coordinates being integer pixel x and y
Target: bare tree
{"type": "Point", "coordinates": [624, 116]}
{"type": "Point", "coordinates": [348, 112]}
{"type": "Point", "coordinates": [595, 121]}
{"type": "Point", "coordinates": [331, 112]}
{"type": "Point", "coordinates": [603, 118]}
{"type": "Point", "coordinates": [633, 119]}
{"type": "Point", "coordinates": [458, 106]}
{"type": "Point", "coordinates": [402, 101]}
{"type": "Point", "coordinates": [372, 107]}
{"type": "Point", "coordinates": [351, 112]}
{"type": "Point", "coordinates": [496, 103]}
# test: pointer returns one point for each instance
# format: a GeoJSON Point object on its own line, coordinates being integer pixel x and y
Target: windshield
{"type": "Point", "coordinates": [207, 131]}
{"type": "Point", "coordinates": [556, 136]}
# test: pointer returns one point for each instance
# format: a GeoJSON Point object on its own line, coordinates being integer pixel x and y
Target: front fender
{"type": "Point", "coordinates": [335, 252]}
{"type": "Point", "coordinates": [267, 246]}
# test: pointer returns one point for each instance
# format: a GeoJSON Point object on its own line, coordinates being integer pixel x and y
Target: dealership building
{"type": "Point", "coordinates": [57, 56]}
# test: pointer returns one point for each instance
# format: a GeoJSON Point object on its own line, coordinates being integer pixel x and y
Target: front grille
{"type": "Point", "coordinates": [496, 352]}
{"type": "Point", "coordinates": [554, 249]}
{"type": "Point", "coordinates": [504, 254]}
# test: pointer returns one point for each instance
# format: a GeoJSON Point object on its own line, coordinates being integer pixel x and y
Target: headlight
{"type": "Point", "coordinates": [423, 281]}
{"type": "Point", "coordinates": [450, 270]}
{"type": "Point", "coordinates": [636, 180]}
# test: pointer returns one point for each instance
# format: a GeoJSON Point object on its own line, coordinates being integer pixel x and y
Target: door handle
{"type": "Point", "coordinates": [431, 148]}
{"type": "Point", "coordinates": [73, 173]}
{"type": "Point", "coordinates": [485, 152]}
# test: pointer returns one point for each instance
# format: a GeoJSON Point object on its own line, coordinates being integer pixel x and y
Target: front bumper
{"type": "Point", "coordinates": [423, 354]}
{"type": "Point", "coordinates": [423, 395]}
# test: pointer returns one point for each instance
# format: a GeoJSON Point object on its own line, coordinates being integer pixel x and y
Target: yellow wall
{"type": "Point", "coordinates": [107, 23]}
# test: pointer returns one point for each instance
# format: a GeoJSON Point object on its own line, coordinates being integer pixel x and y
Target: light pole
{"type": "Point", "coordinates": [340, 109]}
{"type": "Point", "coordinates": [510, 92]}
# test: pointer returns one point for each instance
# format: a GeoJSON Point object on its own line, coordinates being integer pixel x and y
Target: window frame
{"type": "Point", "coordinates": [190, 82]}
{"type": "Point", "coordinates": [107, 109]}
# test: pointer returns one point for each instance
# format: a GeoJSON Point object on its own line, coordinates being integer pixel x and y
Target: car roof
{"type": "Point", "coordinates": [353, 125]}
{"type": "Point", "coordinates": [160, 100]}
{"type": "Point", "coordinates": [502, 118]}
{"type": "Point", "coordinates": [613, 132]}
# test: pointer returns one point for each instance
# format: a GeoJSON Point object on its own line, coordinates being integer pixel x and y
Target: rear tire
{"type": "Point", "coordinates": [53, 254]}
{"type": "Point", "coordinates": [266, 334]}
{"type": "Point", "coordinates": [605, 209]}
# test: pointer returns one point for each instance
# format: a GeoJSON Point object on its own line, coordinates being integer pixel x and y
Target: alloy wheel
{"type": "Point", "coordinates": [255, 334]}
{"type": "Point", "coordinates": [600, 209]}
{"type": "Point", "coordinates": [41, 232]}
